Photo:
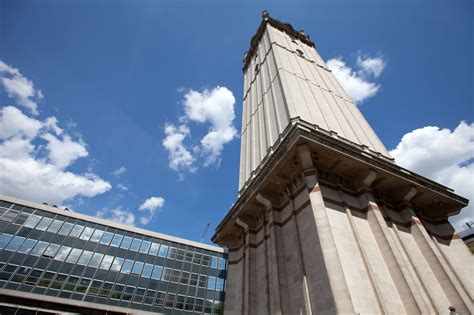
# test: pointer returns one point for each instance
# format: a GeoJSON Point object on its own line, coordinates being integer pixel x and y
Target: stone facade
{"type": "Point", "coordinates": [325, 221]}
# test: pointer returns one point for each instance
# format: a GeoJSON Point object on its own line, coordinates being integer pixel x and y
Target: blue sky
{"type": "Point", "coordinates": [114, 74]}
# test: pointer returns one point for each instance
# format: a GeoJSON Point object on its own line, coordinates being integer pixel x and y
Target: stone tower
{"type": "Point", "coordinates": [325, 221]}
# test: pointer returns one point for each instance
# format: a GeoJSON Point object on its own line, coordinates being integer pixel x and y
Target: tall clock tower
{"type": "Point", "coordinates": [325, 221]}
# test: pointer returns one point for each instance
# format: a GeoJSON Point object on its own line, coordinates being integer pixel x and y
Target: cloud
{"type": "Point", "coordinates": [34, 154]}
{"type": "Point", "coordinates": [179, 157]}
{"type": "Point", "coordinates": [122, 187]}
{"type": "Point", "coordinates": [356, 83]}
{"type": "Point", "coordinates": [372, 66]}
{"type": "Point", "coordinates": [119, 171]}
{"type": "Point", "coordinates": [214, 107]}
{"type": "Point", "coordinates": [117, 215]}
{"type": "Point", "coordinates": [149, 208]}
{"type": "Point", "coordinates": [19, 87]}
{"type": "Point", "coordinates": [444, 156]}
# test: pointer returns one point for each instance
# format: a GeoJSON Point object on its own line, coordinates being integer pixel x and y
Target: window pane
{"type": "Point", "coordinates": [170, 300]}
{"type": "Point", "coordinates": [10, 215]}
{"type": "Point", "coordinates": [106, 262]}
{"type": "Point", "coordinates": [116, 240]}
{"type": "Point", "coordinates": [214, 261]}
{"type": "Point", "coordinates": [188, 257]}
{"type": "Point", "coordinates": [71, 283]}
{"type": "Point", "coordinates": [46, 280]}
{"type": "Point", "coordinates": [4, 239]}
{"type": "Point", "coordinates": [55, 226]}
{"type": "Point", "coordinates": [97, 236]}
{"type": "Point", "coordinates": [220, 284]}
{"type": "Point", "coordinates": [15, 243]}
{"type": "Point", "coordinates": [44, 223]}
{"type": "Point", "coordinates": [74, 255]}
{"type": "Point", "coordinates": [157, 272]}
{"type": "Point", "coordinates": [154, 249]}
{"type": "Point", "coordinates": [202, 281]}
{"type": "Point", "coordinates": [34, 276]}
{"type": "Point", "coordinates": [32, 221]}
{"type": "Point", "coordinates": [145, 247]}
{"type": "Point", "coordinates": [184, 277]}
{"type": "Point", "coordinates": [117, 264]}
{"type": "Point", "coordinates": [180, 254]}
{"type": "Point", "coordinates": [66, 228]}
{"type": "Point", "coordinates": [211, 283]}
{"type": "Point", "coordinates": [206, 260]}
{"type": "Point", "coordinates": [85, 258]}
{"type": "Point", "coordinates": [163, 251]}
{"type": "Point", "coordinates": [51, 251]}
{"type": "Point", "coordinates": [127, 266]}
{"type": "Point", "coordinates": [39, 248]}
{"type": "Point", "coordinates": [222, 262]}
{"type": "Point", "coordinates": [76, 231]}
{"type": "Point", "coordinates": [86, 234]}
{"type": "Point", "coordinates": [194, 279]}
{"type": "Point", "coordinates": [96, 259]}
{"type": "Point", "coordinates": [83, 285]}
{"type": "Point", "coordinates": [175, 276]}
{"type": "Point", "coordinates": [127, 241]}
{"type": "Point", "coordinates": [166, 274]}
{"type": "Point", "coordinates": [135, 244]}
{"type": "Point", "coordinates": [21, 218]}
{"type": "Point", "coordinates": [197, 258]}
{"type": "Point", "coordinates": [59, 281]}
{"type": "Point", "coordinates": [27, 245]}
{"type": "Point", "coordinates": [172, 253]}
{"type": "Point", "coordinates": [147, 270]}
{"type": "Point", "coordinates": [62, 253]}
{"type": "Point", "coordinates": [137, 267]}
{"type": "Point", "coordinates": [106, 238]}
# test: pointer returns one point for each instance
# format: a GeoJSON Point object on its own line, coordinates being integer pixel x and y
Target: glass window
{"type": "Point", "coordinates": [145, 247]}
{"type": "Point", "coordinates": [127, 241]}
{"type": "Point", "coordinates": [106, 289]}
{"type": "Point", "coordinates": [135, 244]}
{"type": "Point", "coordinates": [198, 305]}
{"type": "Point", "coordinates": [157, 270]}
{"type": "Point", "coordinates": [194, 279]}
{"type": "Point", "coordinates": [154, 249]}
{"type": "Point", "coordinates": [83, 285]}
{"type": "Point", "coordinates": [39, 248]}
{"type": "Point", "coordinates": [97, 236]}
{"type": "Point", "coordinates": [117, 292]}
{"type": "Point", "coordinates": [32, 221]}
{"type": "Point", "coordinates": [44, 224]}
{"type": "Point", "coordinates": [127, 295]}
{"type": "Point", "coordinates": [189, 303]}
{"type": "Point", "coordinates": [150, 296]}
{"type": "Point", "coordinates": [76, 231]}
{"type": "Point", "coordinates": [106, 238]}
{"type": "Point", "coordinates": [66, 228]}
{"type": "Point", "coordinates": [59, 281]}
{"type": "Point", "coordinates": [197, 258]}
{"type": "Point", "coordinates": [175, 276]}
{"type": "Point", "coordinates": [220, 284]}
{"type": "Point", "coordinates": [106, 262]}
{"type": "Point", "coordinates": [15, 243]}
{"type": "Point", "coordinates": [166, 274]}
{"type": "Point", "coordinates": [222, 262]}
{"type": "Point", "coordinates": [160, 298]}
{"type": "Point", "coordinates": [127, 266]}
{"type": "Point", "coordinates": [211, 283]}
{"type": "Point", "coordinates": [46, 280]}
{"type": "Point", "coordinates": [170, 300]}
{"type": "Point", "coordinates": [180, 255]}
{"type": "Point", "coordinates": [214, 262]}
{"type": "Point", "coordinates": [21, 218]}
{"type": "Point", "coordinates": [33, 277]}
{"type": "Point", "coordinates": [62, 253]}
{"type": "Point", "coordinates": [137, 267]}
{"type": "Point", "coordinates": [27, 246]}
{"type": "Point", "coordinates": [4, 239]}
{"type": "Point", "coordinates": [117, 264]}
{"type": "Point", "coordinates": [55, 226]}
{"type": "Point", "coordinates": [20, 275]}
{"type": "Point", "coordinates": [206, 260]}
{"type": "Point", "coordinates": [10, 215]}
{"type": "Point", "coordinates": [116, 240]}
{"type": "Point", "coordinates": [202, 281]}
{"type": "Point", "coordinates": [74, 255]}
{"type": "Point", "coordinates": [96, 259]}
{"type": "Point", "coordinates": [71, 283]}
{"type": "Point", "coordinates": [87, 233]}
{"type": "Point", "coordinates": [188, 257]}
{"type": "Point", "coordinates": [184, 277]}
{"type": "Point", "coordinates": [147, 269]}
{"type": "Point", "coordinates": [180, 302]}
{"type": "Point", "coordinates": [94, 289]}
{"type": "Point", "coordinates": [163, 251]}
{"type": "Point", "coordinates": [51, 251]}
{"type": "Point", "coordinates": [85, 258]}
{"type": "Point", "coordinates": [172, 253]}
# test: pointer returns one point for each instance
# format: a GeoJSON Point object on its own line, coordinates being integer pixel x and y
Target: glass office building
{"type": "Point", "coordinates": [53, 260]}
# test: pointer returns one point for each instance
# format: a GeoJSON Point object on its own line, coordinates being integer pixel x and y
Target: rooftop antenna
{"type": "Point", "coordinates": [205, 231]}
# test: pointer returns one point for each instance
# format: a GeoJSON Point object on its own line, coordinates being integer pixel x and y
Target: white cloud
{"type": "Point", "coordinates": [119, 171]}
{"type": "Point", "coordinates": [34, 154]}
{"type": "Point", "coordinates": [216, 107]}
{"type": "Point", "coordinates": [122, 187]}
{"type": "Point", "coordinates": [19, 87]}
{"type": "Point", "coordinates": [356, 83]}
{"type": "Point", "coordinates": [372, 66]}
{"type": "Point", "coordinates": [179, 157]}
{"type": "Point", "coordinates": [444, 156]}
{"type": "Point", "coordinates": [117, 215]}
{"type": "Point", "coordinates": [149, 208]}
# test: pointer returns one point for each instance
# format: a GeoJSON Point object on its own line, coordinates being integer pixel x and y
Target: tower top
{"type": "Point", "coordinates": [284, 27]}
